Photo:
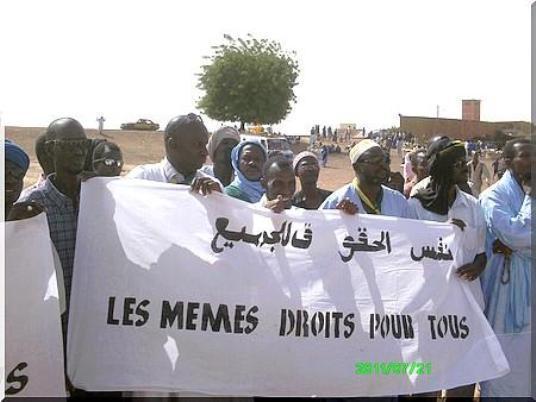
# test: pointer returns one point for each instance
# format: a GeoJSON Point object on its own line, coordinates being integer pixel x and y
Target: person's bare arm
{"type": "Point", "coordinates": [473, 270]}
{"type": "Point", "coordinates": [24, 210]}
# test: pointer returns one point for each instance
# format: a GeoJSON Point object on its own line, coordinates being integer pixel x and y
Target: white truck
{"type": "Point", "coordinates": [271, 144]}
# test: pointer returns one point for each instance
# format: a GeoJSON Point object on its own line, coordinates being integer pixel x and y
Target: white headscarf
{"type": "Point", "coordinates": [300, 156]}
{"type": "Point", "coordinates": [360, 148]}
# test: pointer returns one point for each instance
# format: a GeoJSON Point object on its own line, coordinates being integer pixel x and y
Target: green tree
{"type": "Point", "coordinates": [250, 81]}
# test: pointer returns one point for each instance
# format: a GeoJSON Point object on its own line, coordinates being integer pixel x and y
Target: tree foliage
{"type": "Point", "coordinates": [251, 81]}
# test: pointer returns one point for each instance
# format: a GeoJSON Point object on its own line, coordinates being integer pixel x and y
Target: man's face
{"type": "Point", "coordinates": [460, 171]}
{"type": "Point", "coordinates": [279, 181]}
{"type": "Point", "coordinates": [188, 151]}
{"type": "Point", "coordinates": [520, 163]}
{"type": "Point", "coordinates": [109, 163]}
{"type": "Point", "coordinates": [373, 166]}
{"type": "Point", "coordinates": [308, 170]}
{"type": "Point", "coordinates": [70, 149]}
{"type": "Point", "coordinates": [222, 155]}
{"type": "Point", "coordinates": [14, 181]}
{"type": "Point", "coordinates": [251, 161]}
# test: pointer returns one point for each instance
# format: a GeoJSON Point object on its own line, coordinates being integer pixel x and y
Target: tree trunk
{"type": "Point", "coordinates": [242, 126]}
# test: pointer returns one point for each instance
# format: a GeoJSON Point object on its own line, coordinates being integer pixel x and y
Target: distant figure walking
{"type": "Point", "coordinates": [323, 155]}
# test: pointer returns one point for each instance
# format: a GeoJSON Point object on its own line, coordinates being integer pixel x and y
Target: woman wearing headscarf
{"type": "Point", "coordinates": [247, 159]}
{"type": "Point", "coordinates": [306, 168]}
{"type": "Point", "coordinates": [219, 147]}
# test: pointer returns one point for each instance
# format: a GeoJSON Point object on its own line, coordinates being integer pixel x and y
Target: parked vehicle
{"type": "Point", "coordinates": [141, 124]}
{"type": "Point", "coordinates": [271, 144]}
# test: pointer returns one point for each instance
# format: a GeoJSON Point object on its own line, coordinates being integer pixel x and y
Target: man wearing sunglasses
{"type": "Point", "coordinates": [68, 145]}
{"type": "Point", "coordinates": [185, 142]}
{"type": "Point", "coordinates": [107, 159]}
{"type": "Point", "coordinates": [366, 194]}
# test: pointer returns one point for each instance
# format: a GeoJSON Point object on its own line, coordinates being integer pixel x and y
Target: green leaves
{"type": "Point", "coordinates": [248, 81]}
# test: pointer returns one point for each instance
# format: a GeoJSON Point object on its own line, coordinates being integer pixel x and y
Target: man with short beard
{"type": "Point", "coordinates": [506, 282]}
{"type": "Point", "coordinates": [366, 194]}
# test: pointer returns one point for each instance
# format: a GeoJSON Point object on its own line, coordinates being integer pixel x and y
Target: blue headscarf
{"type": "Point", "coordinates": [16, 154]}
{"type": "Point", "coordinates": [252, 189]}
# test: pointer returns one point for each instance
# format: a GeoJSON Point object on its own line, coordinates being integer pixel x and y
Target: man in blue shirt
{"type": "Point", "coordinates": [366, 194]}
{"type": "Point", "coordinates": [506, 281]}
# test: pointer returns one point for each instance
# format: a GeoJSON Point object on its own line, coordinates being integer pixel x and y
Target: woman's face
{"type": "Point", "coordinates": [251, 161]}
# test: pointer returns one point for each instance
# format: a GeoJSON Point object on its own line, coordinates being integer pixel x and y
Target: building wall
{"type": "Point", "coordinates": [471, 109]}
{"type": "Point", "coordinates": [425, 128]}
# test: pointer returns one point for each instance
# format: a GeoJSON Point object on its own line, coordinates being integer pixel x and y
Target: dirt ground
{"type": "Point", "coordinates": [140, 147]}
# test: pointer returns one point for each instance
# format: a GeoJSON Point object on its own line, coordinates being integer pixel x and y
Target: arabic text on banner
{"type": "Point", "coordinates": [179, 292]}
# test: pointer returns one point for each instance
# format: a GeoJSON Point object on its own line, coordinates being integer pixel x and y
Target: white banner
{"type": "Point", "coordinates": [34, 350]}
{"type": "Point", "coordinates": [180, 292]}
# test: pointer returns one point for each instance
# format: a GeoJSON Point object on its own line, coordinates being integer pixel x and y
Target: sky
{"type": "Point", "coordinates": [361, 62]}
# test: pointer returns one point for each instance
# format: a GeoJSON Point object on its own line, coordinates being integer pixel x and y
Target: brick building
{"type": "Point", "coordinates": [425, 128]}
{"type": "Point", "coordinates": [471, 109]}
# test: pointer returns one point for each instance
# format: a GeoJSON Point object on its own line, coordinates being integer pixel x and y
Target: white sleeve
{"type": "Point", "coordinates": [137, 173]}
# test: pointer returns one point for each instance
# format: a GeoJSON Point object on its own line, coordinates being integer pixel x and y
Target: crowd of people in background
{"type": "Point", "coordinates": [439, 184]}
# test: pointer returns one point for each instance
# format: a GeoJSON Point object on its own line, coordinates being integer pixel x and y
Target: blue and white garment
{"type": "Point", "coordinates": [506, 282]}
{"type": "Point", "coordinates": [393, 202]}
{"type": "Point", "coordinates": [242, 188]}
